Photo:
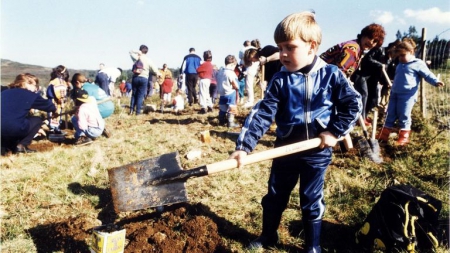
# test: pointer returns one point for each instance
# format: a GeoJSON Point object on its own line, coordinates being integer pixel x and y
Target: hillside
{"type": "Point", "coordinates": [10, 69]}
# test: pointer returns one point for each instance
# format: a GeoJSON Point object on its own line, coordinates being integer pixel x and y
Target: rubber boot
{"type": "Point", "coordinates": [403, 137]}
{"type": "Point", "coordinates": [384, 135]}
{"type": "Point", "coordinates": [269, 235]}
{"type": "Point", "coordinates": [231, 121]}
{"type": "Point", "coordinates": [222, 118]}
{"type": "Point", "coordinates": [312, 236]}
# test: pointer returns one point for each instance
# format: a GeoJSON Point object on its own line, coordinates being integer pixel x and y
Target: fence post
{"type": "Point", "coordinates": [423, 102]}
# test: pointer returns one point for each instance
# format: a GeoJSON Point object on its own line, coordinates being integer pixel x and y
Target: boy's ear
{"type": "Point", "coordinates": [313, 46]}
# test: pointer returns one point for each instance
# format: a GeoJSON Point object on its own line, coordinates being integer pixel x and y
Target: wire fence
{"type": "Point", "coordinates": [435, 105]}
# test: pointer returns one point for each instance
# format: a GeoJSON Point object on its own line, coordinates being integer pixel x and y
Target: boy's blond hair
{"type": "Point", "coordinates": [300, 25]}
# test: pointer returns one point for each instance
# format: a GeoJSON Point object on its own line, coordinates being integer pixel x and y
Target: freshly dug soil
{"type": "Point", "coordinates": [181, 228]}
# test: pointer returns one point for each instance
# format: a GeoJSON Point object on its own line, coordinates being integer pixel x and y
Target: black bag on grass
{"type": "Point", "coordinates": [404, 218]}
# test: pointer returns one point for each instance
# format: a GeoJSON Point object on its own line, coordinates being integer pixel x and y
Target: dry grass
{"type": "Point", "coordinates": [36, 188]}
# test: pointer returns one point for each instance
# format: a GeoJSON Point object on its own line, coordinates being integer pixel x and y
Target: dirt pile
{"type": "Point", "coordinates": [181, 228]}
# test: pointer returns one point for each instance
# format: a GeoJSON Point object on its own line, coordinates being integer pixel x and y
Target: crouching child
{"type": "Point", "coordinates": [87, 121]}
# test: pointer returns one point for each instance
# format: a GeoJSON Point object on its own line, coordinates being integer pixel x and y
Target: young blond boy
{"type": "Point", "coordinates": [307, 98]}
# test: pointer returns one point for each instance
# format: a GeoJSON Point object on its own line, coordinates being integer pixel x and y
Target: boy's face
{"type": "Point", "coordinates": [295, 54]}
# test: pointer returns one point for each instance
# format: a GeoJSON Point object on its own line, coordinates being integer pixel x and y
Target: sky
{"type": "Point", "coordinates": [81, 34]}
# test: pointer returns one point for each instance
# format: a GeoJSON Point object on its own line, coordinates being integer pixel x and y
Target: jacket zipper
{"type": "Point", "coordinates": [308, 91]}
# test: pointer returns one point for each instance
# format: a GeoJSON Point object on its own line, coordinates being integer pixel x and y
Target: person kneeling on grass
{"type": "Point", "coordinates": [87, 121]}
{"type": "Point", "coordinates": [18, 127]}
{"type": "Point", "coordinates": [104, 103]}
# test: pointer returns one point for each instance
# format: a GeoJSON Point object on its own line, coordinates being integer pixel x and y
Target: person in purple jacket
{"type": "Point", "coordinates": [18, 127]}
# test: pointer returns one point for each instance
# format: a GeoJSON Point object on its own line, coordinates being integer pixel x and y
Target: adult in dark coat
{"type": "Point", "coordinates": [18, 127]}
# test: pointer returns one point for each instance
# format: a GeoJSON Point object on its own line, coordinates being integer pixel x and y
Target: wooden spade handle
{"type": "Point", "coordinates": [264, 155]}
{"type": "Point", "coordinates": [374, 123]}
{"type": "Point", "coordinates": [261, 80]}
{"type": "Point", "coordinates": [387, 77]}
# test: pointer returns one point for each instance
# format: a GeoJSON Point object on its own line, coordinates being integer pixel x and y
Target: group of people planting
{"type": "Point", "coordinates": [307, 96]}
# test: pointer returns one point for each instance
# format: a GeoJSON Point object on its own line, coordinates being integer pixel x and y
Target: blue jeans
{"type": "Point", "coordinates": [102, 81]}
{"type": "Point", "coordinates": [139, 89]}
{"type": "Point", "coordinates": [241, 88]}
{"type": "Point", "coordinates": [91, 132]}
{"type": "Point", "coordinates": [361, 87]}
{"type": "Point", "coordinates": [400, 107]}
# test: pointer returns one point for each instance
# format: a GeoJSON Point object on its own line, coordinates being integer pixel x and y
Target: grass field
{"type": "Point", "coordinates": [63, 182]}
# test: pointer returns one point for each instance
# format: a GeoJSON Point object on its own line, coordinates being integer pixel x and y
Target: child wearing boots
{"type": "Point", "coordinates": [308, 98]}
{"type": "Point", "coordinates": [404, 91]}
{"type": "Point", "coordinates": [227, 86]}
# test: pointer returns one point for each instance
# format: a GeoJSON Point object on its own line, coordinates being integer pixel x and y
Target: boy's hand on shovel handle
{"type": "Point", "coordinates": [328, 140]}
{"type": "Point", "coordinates": [239, 155]}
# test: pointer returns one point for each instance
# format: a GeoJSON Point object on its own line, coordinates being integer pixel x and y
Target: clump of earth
{"type": "Point", "coordinates": [180, 228]}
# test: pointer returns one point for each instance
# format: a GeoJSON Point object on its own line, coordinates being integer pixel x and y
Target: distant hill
{"type": "Point", "coordinates": [10, 69]}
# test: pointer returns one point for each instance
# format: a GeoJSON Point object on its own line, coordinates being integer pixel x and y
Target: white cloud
{"type": "Point", "coordinates": [382, 17]}
{"type": "Point", "coordinates": [432, 15]}
{"type": "Point", "coordinates": [140, 2]}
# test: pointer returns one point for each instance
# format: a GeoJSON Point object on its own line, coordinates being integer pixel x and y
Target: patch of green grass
{"type": "Point", "coordinates": [66, 180]}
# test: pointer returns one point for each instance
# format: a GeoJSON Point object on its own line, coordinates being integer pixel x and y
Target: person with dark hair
{"type": "Point", "coordinates": [256, 44]}
{"type": "Point", "coordinates": [205, 72]}
{"type": "Point", "coordinates": [365, 79]}
{"type": "Point", "coordinates": [57, 91]}
{"type": "Point", "coordinates": [140, 80]}
{"type": "Point", "coordinates": [213, 85]}
{"type": "Point", "coordinates": [391, 61]}
{"type": "Point", "coordinates": [269, 57]}
{"type": "Point", "coordinates": [106, 79]}
{"type": "Point", "coordinates": [104, 102]}
{"type": "Point", "coordinates": [346, 55]}
{"type": "Point", "coordinates": [87, 121]}
{"type": "Point", "coordinates": [18, 127]}
{"type": "Point", "coordinates": [190, 71]}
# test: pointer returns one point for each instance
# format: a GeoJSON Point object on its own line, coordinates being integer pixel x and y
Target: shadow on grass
{"type": "Point", "coordinates": [334, 237]}
{"type": "Point", "coordinates": [48, 238]}
{"type": "Point", "coordinates": [107, 214]}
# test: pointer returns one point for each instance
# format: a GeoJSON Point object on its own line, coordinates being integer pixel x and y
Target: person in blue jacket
{"type": "Point", "coordinates": [18, 127]}
{"type": "Point", "coordinates": [308, 98]}
{"type": "Point", "coordinates": [190, 71]}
